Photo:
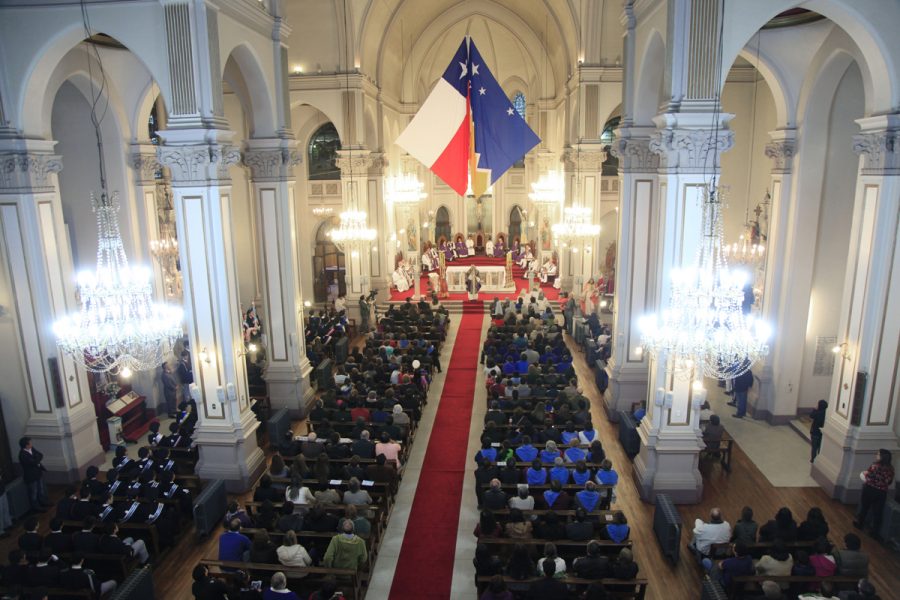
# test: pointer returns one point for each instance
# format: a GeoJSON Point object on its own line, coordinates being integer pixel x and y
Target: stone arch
{"type": "Point", "coordinates": [33, 119]}
{"type": "Point", "coordinates": [785, 106]}
{"type": "Point", "coordinates": [327, 260]}
{"type": "Point", "coordinates": [863, 22]}
{"type": "Point", "coordinates": [443, 226]}
{"type": "Point", "coordinates": [650, 80]}
{"type": "Point", "coordinates": [243, 71]}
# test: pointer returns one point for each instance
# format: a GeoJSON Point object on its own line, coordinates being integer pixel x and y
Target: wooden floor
{"type": "Point", "coordinates": [746, 485]}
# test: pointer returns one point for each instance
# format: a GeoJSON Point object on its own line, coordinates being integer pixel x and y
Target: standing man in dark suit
{"type": "Point", "coordinates": [185, 375]}
{"type": "Point", "coordinates": [33, 474]}
{"type": "Point", "coordinates": [170, 388]}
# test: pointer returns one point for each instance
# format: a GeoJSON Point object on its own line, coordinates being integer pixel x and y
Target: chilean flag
{"type": "Point", "coordinates": [438, 135]}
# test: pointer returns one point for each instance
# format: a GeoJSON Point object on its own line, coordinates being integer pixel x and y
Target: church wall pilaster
{"type": "Point", "coordinates": [198, 161]}
{"type": "Point", "coordinates": [864, 393]}
{"type": "Point", "coordinates": [56, 408]}
{"type": "Point", "coordinates": [271, 163]}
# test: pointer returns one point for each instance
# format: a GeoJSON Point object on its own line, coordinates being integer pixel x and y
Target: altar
{"type": "Point", "coordinates": [493, 278]}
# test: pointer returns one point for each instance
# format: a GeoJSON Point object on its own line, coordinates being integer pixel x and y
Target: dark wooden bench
{"type": "Point", "coordinates": [348, 581]}
{"type": "Point", "coordinates": [148, 531]}
{"type": "Point", "coordinates": [722, 453]}
{"type": "Point", "coordinates": [757, 549]}
{"type": "Point", "coordinates": [615, 588]}
{"type": "Point", "coordinates": [750, 583]}
{"type": "Point", "coordinates": [51, 592]}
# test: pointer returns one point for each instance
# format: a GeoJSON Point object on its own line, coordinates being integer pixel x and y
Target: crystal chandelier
{"type": "Point", "coordinates": [165, 251]}
{"type": "Point", "coordinates": [404, 190]}
{"type": "Point", "coordinates": [704, 330]}
{"type": "Point", "coordinates": [743, 252]}
{"type": "Point", "coordinates": [576, 226]}
{"type": "Point", "coordinates": [549, 190]}
{"type": "Point", "coordinates": [353, 230]}
{"type": "Point", "coordinates": [119, 328]}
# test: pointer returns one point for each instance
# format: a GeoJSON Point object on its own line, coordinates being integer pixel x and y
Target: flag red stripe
{"type": "Point", "coordinates": [453, 164]}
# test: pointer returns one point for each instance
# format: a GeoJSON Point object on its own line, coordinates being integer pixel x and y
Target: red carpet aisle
{"type": "Point", "coordinates": [425, 566]}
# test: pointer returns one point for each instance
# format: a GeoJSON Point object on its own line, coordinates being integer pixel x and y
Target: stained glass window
{"type": "Point", "coordinates": [323, 147]}
{"type": "Point", "coordinates": [519, 103]}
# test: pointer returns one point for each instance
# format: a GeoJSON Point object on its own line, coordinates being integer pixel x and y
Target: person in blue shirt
{"type": "Point", "coordinates": [550, 452]}
{"type": "Point", "coordinates": [526, 452]}
{"type": "Point", "coordinates": [487, 452]}
{"type": "Point", "coordinates": [573, 454]}
{"type": "Point", "coordinates": [589, 497]}
{"type": "Point", "coordinates": [522, 364]}
{"type": "Point", "coordinates": [536, 474]}
{"type": "Point", "coordinates": [581, 474]}
{"type": "Point", "coordinates": [278, 589]}
{"type": "Point", "coordinates": [559, 472]}
{"type": "Point", "coordinates": [606, 476]}
{"type": "Point", "coordinates": [569, 433]}
{"type": "Point", "coordinates": [509, 367]}
{"type": "Point", "coordinates": [234, 545]}
{"type": "Point", "coordinates": [618, 530]}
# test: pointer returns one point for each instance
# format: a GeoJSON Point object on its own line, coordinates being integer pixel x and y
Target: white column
{"type": "Point", "coordinates": [287, 370]}
{"type": "Point", "coordinates": [864, 392]}
{"type": "Point", "coordinates": [583, 166]}
{"type": "Point", "coordinates": [60, 415]}
{"type": "Point", "coordinates": [789, 258]}
{"type": "Point", "coordinates": [354, 165]}
{"type": "Point", "coordinates": [635, 261]}
{"type": "Point", "coordinates": [670, 435]}
{"type": "Point", "coordinates": [226, 435]}
{"type": "Point", "coordinates": [144, 165]}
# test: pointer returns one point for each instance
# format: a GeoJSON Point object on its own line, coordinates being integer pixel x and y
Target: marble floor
{"type": "Point", "coordinates": [780, 454]}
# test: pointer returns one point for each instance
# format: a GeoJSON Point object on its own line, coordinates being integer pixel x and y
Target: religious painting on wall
{"type": "Point", "coordinates": [545, 234]}
{"type": "Point", "coordinates": [412, 237]}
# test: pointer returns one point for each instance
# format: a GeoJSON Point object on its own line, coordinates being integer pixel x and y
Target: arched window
{"type": "Point", "coordinates": [323, 147]}
{"type": "Point", "coordinates": [442, 224]}
{"type": "Point", "coordinates": [607, 137]}
{"type": "Point", "coordinates": [519, 105]}
{"type": "Point", "coordinates": [328, 262]}
{"type": "Point", "coordinates": [515, 225]}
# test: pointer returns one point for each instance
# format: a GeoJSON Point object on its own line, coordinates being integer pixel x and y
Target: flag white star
{"type": "Point", "coordinates": [481, 91]}
{"type": "Point", "coordinates": [509, 111]}
{"type": "Point", "coordinates": [463, 73]}
{"type": "Point", "coordinates": [475, 69]}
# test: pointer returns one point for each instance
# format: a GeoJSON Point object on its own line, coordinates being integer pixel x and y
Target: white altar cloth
{"type": "Point", "coordinates": [493, 278]}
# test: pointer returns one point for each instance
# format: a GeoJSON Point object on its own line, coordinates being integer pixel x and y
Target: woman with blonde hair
{"type": "Point", "coordinates": [291, 553]}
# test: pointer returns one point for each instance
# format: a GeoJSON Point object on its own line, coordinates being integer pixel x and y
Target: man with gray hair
{"type": "Point", "coordinates": [278, 585]}
{"type": "Point", "coordinates": [363, 447]}
{"type": "Point", "coordinates": [494, 498]}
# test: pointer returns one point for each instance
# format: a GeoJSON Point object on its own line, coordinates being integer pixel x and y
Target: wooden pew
{"type": "Point", "coordinates": [723, 550]}
{"type": "Point", "coordinates": [350, 579]}
{"type": "Point", "coordinates": [723, 452]}
{"type": "Point", "coordinates": [750, 583]}
{"type": "Point", "coordinates": [616, 588]}
{"type": "Point", "coordinates": [51, 592]}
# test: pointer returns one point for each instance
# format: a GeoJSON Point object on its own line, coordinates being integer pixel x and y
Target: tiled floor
{"type": "Point", "coordinates": [781, 454]}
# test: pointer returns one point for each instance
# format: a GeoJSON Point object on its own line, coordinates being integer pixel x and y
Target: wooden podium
{"type": "Point", "coordinates": [132, 409]}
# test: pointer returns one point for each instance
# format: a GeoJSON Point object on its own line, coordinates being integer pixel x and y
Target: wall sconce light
{"type": "Point", "coordinates": [251, 348]}
{"type": "Point", "coordinates": [204, 356]}
{"type": "Point", "coordinates": [844, 350]}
